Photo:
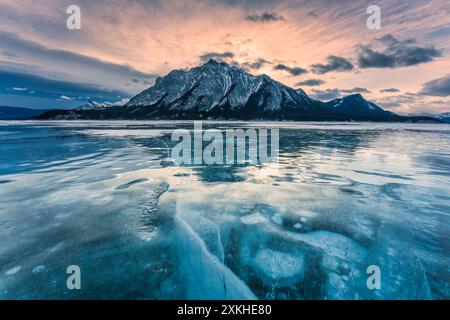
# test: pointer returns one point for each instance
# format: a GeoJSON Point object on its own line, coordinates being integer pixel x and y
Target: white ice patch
{"type": "Point", "coordinates": [278, 265]}
{"type": "Point", "coordinates": [334, 244]}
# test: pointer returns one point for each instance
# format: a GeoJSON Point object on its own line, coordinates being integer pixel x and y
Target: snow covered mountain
{"type": "Point", "coordinates": [92, 105]}
{"type": "Point", "coordinates": [356, 105]}
{"type": "Point", "coordinates": [444, 117]}
{"type": "Point", "coordinates": [218, 91]}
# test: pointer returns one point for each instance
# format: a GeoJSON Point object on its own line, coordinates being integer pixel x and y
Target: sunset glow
{"type": "Point", "coordinates": [124, 45]}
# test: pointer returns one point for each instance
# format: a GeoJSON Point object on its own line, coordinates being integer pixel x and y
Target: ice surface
{"type": "Point", "coordinates": [279, 265]}
{"type": "Point", "coordinates": [205, 276]}
{"type": "Point", "coordinates": [105, 196]}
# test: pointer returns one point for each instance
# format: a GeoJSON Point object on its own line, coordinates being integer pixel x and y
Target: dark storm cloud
{"type": "Point", "coordinates": [49, 88]}
{"type": "Point", "coordinates": [310, 83]}
{"type": "Point", "coordinates": [396, 54]}
{"type": "Point", "coordinates": [438, 87]}
{"type": "Point", "coordinates": [251, 65]}
{"type": "Point", "coordinates": [265, 17]}
{"type": "Point", "coordinates": [294, 71]}
{"type": "Point", "coordinates": [216, 56]}
{"type": "Point", "coordinates": [247, 4]}
{"type": "Point", "coordinates": [331, 94]}
{"type": "Point", "coordinates": [334, 63]}
{"type": "Point", "coordinates": [391, 90]}
{"type": "Point", "coordinates": [355, 90]}
{"type": "Point", "coordinates": [33, 48]}
{"type": "Point", "coordinates": [69, 64]}
{"type": "Point", "coordinates": [325, 95]}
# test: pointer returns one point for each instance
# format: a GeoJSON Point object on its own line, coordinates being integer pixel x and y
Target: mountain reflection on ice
{"type": "Point", "coordinates": [106, 196]}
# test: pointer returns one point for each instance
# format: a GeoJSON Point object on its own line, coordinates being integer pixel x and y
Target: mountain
{"type": "Point", "coordinates": [15, 113]}
{"type": "Point", "coordinates": [356, 105]}
{"type": "Point", "coordinates": [92, 105]}
{"type": "Point", "coordinates": [218, 91]}
{"type": "Point", "coordinates": [444, 117]}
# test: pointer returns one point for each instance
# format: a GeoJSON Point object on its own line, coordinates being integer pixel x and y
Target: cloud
{"type": "Point", "coordinates": [390, 90]}
{"type": "Point", "coordinates": [216, 56]}
{"type": "Point", "coordinates": [329, 30]}
{"type": "Point", "coordinates": [325, 95]}
{"type": "Point", "coordinates": [252, 65]}
{"type": "Point", "coordinates": [121, 102]}
{"type": "Point", "coordinates": [438, 87]}
{"type": "Point", "coordinates": [310, 83]}
{"type": "Point", "coordinates": [392, 102]}
{"type": "Point", "coordinates": [331, 94]}
{"type": "Point", "coordinates": [396, 54]}
{"type": "Point", "coordinates": [51, 89]}
{"type": "Point", "coordinates": [293, 71]}
{"type": "Point", "coordinates": [265, 17]}
{"type": "Point", "coordinates": [9, 55]}
{"type": "Point", "coordinates": [441, 102]}
{"type": "Point", "coordinates": [355, 90]}
{"type": "Point", "coordinates": [334, 64]}
{"type": "Point", "coordinates": [246, 4]}
{"type": "Point", "coordinates": [63, 64]}
{"type": "Point", "coordinates": [65, 98]}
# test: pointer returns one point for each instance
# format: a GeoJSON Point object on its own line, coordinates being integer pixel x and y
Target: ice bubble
{"type": "Point", "coordinates": [277, 219]}
{"type": "Point", "coordinates": [254, 218]}
{"type": "Point", "coordinates": [298, 225]}
{"type": "Point", "coordinates": [38, 269]}
{"type": "Point", "coordinates": [13, 271]}
{"type": "Point", "coordinates": [334, 244]}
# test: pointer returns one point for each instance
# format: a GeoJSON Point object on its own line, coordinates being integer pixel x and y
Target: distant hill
{"type": "Point", "coordinates": [15, 113]}
{"type": "Point", "coordinates": [218, 91]}
{"type": "Point", "coordinates": [444, 117]}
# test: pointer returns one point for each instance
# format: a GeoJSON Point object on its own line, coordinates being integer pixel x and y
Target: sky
{"type": "Point", "coordinates": [321, 46]}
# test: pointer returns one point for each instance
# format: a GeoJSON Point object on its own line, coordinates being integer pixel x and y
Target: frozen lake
{"type": "Point", "coordinates": [106, 196]}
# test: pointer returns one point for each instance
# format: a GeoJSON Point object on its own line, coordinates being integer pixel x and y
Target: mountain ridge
{"type": "Point", "coordinates": [19, 113]}
{"type": "Point", "coordinates": [218, 91]}
{"type": "Point", "coordinates": [93, 105]}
